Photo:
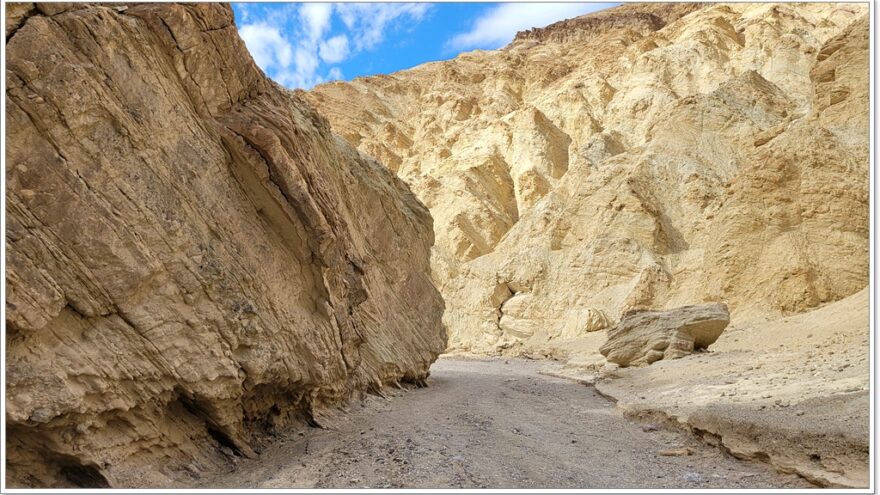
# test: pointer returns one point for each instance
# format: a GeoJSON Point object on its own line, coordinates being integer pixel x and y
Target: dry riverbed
{"type": "Point", "coordinates": [492, 423]}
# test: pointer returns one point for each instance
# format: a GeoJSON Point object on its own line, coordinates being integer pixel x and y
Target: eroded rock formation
{"type": "Point", "coordinates": [189, 264]}
{"type": "Point", "coordinates": [643, 337]}
{"type": "Point", "coordinates": [644, 157]}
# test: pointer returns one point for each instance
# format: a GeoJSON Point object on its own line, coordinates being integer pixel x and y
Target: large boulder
{"type": "Point", "coordinates": [193, 258]}
{"type": "Point", "coordinates": [643, 337]}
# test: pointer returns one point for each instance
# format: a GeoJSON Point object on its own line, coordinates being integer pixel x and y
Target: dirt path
{"type": "Point", "coordinates": [492, 424]}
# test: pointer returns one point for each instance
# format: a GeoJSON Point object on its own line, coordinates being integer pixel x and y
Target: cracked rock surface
{"type": "Point", "coordinates": [193, 258]}
{"type": "Point", "coordinates": [647, 156]}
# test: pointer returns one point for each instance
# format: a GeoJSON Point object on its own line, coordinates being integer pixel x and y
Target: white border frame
{"type": "Point", "coordinates": [872, 228]}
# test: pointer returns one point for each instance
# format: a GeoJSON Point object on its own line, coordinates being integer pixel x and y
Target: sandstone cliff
{"type": "Point", "coordinates": [647, 156]}
{"type": "Point", "coordinates": [189, 265]}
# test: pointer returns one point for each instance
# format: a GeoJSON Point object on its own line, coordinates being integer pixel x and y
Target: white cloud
{"type": "Point", "coordinates": [315, 18]}
{"type": "Point", "coordinates": [244, 11]}
{"type": "Point", "coordinates": [498, 26]}
{"type": "Point", "coordinates": [291, 42]}
{"type": "Point", "coordinates": [306, 61]}
{"type": "Point", "coordinates": [368, 21]}
{"type": "Point", "coordinates": [267, 45]}
{"type": "Point", "coordinates": [334, 74]}
{"type": "Point", "coordinates": [335, 49]}
{"type": "Point", "coordinates": [287, 78]}
{"type": "Point", "coordinates": [292, 66]}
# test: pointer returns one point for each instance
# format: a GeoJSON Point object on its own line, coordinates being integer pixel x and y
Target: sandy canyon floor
{"type": "Point", "coordinates": [491, 423]}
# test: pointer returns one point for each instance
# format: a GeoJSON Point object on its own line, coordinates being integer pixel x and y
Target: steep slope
{"type": "Point", "coordinates": [188, 267]}
{"type": "Point", "coordinates": [647, 156]}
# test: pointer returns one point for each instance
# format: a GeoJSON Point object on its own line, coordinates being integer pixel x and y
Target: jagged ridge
{"type": "Point", "coordinates": [646, 151]}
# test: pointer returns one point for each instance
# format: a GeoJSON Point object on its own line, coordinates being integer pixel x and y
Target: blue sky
{"type": "Point", "coordinates": [303, 44]}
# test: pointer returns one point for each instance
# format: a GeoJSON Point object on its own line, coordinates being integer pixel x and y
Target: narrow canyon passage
{"type": "Point", "coordinates": [198, 254]}
{"type": "Point", "coordinates": [491, 423]}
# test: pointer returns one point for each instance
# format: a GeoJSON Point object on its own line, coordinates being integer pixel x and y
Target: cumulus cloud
{"type": "Point", "coordinates": [270, 49]}
{"type": "Point", "coordinates": [243, 12]}
{"type": "Point", "coordinates": [315, 18]}
{"type": "Point", "coordinates": [291, 42]}
{"type": "Point", "coordinates": [334, 74]}
{"type": "Point", "coordinates": [291, 64]}
{"type": "Point", "coordinates": [306, 62]}
{"type": "Point", "coordinates": [368, 22]}
{"type": "Point", "coordinates": [335, 49]}
{"type": "Point", "coordinates": [499, 24]}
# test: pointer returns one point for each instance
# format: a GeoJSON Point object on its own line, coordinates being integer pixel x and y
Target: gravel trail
{"type": "Point", "coordinates": [492, 424]}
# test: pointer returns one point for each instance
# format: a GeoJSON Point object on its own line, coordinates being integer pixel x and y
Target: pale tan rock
{"type": "Point", "coordinates": [782, 390]}
{"type": "Point", "coordinates": [716, 152]}
{"type": "Point", "coordinates": [677, 452]}
{"type": "Point", "coordinates": [643, 337]}
{"type": "Point", "coordinates": [189, 265]}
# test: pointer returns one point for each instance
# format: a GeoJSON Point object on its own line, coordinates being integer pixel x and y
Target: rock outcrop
{"type": "Point", "coordinates": [188, 262]}
{"type": "Point", "coordinates": [646, 156]}
{"type": "Point", "coordinates": [643, 337]}
{"type": "Point", "coordinates": [792, 391]}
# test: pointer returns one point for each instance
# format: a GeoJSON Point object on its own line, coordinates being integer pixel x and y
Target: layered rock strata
{"type": "Point", "coordinates": [644, 157]}
{"type": "Point", "coordinates": [188, 262]}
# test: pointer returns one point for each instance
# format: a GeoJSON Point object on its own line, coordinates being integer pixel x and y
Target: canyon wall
{"type": "Point", "coordinates": [646, 156]}
{"type": "Point", "coordinates": [189, 265]}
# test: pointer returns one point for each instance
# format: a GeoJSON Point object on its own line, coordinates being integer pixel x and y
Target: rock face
{"type": "Point", "coordinates": [647, 156]}
{"type": "Point", "coordinates": [188, 262]}
{"type": "Point", "coordinates": [643, 337]}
